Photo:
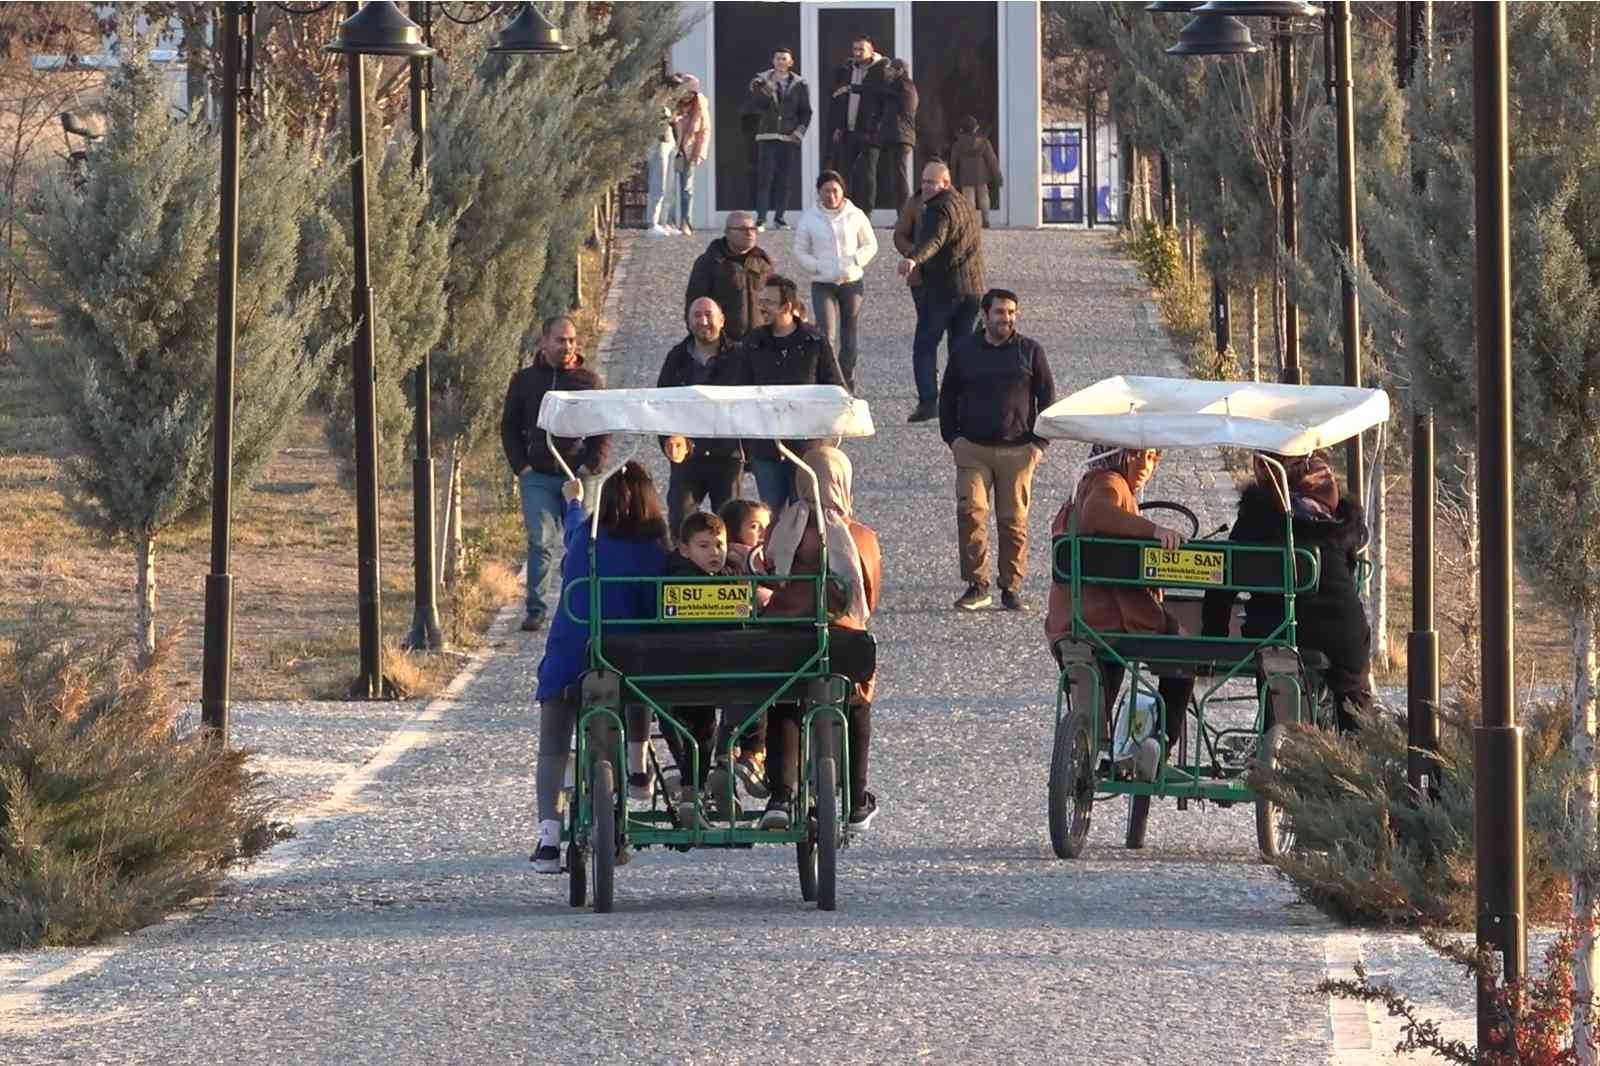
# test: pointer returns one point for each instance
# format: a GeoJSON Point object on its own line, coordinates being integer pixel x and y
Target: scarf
{"type": "Point", "coordinates": [833, 471]}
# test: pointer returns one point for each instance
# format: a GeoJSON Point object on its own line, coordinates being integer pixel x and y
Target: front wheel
{"type": "Point", "coordinates": [827, 833]}
{"type": "Point", "coordinates": [1274, 835]}
{"type": "Point", "coordinates": [603, 836]}
{"type": "Point", "coordinates": [1071, 785]}
{"type": "Point", "coordinates": [805, 853]}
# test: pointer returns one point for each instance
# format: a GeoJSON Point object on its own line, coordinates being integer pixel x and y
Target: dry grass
{"type": "Point", "coordinates": [294, 557]}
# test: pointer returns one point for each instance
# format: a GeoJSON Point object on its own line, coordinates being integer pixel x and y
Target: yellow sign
{"type": "Point", "coordinates": [727, 601]}
{"type": "Point", "coordinates": [1186, 565]}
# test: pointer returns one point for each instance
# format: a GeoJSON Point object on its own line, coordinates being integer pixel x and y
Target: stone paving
{"type": "Point", "coordinates": [405, 925]}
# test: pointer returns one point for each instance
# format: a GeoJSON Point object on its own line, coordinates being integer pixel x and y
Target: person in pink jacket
{"type": "Point", "coordinates": [691, 123]}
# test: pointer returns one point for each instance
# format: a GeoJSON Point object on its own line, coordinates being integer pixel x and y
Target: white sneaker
{"type": "Point", "coordinates": [546, 855]}
{"type": "Point", "coordinates": [1147, 759]}
{"type": "Point", "coordinates": [658, 230]}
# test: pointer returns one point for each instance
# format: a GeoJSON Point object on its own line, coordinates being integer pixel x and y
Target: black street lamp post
{"type": "Point", "coordinates": [1350, 307]}
{"type": "Point", "coordinates": [1497, 742]}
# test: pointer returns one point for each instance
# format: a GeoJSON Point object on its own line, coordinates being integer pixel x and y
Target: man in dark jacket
{"type": "Point", "coordinates": [949, 250]}
{"type": "Point", "coordinates": [558, 365]}
{"type": "Point", "coordinates": [780, 100]}
{"type": "Point", "coordinates": [786, 351]}
{"type": "Point", "coordinates": [731, 271]}
{"type": "Point", "coordinates": [713, 466]}
{"type": "Point", "coordinates": [995, 385]}
{"type": "Point", "coordinates": [858, 103]}
{"type": "Point", "coordinates": [897, 126]}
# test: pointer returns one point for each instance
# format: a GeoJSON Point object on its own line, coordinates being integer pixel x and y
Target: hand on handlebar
{"type": "Point", "coordinates": [1169, 538]}
{"type": "Point", "coordinates": [572, 490]}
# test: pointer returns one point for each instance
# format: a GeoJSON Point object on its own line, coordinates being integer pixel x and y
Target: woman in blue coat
{"type": "Point", "coordinates": [632, 542]}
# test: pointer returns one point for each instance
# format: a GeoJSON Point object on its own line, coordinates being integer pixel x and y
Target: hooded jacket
{"type": "Point", "coordinates": [1330, 619]}
{"type": "Point", "coordinates": [692, 122]}
{"type": "Point", "coordinates": [734, 281]}
{"type": "Point", "coordinates": [782, 106]}
{"type": "Point", "coordinates": [520, 435]}
{"type": "Point", "coordinates": [949, 246]}
{"type": "Point", "coordinates": [973, 162]}
{"type": "Point", "coordinates": [728, 368]}
{"type": "Point", "coordinates": [834, 246]}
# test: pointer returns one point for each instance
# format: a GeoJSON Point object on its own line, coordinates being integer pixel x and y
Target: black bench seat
{"type": "Point", "coordinates": [770, 649]}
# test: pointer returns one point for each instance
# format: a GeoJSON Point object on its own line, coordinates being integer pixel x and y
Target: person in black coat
{"type": "Point", "coordinates": [712, 466]}
{"type": "Point", "coordinates": [1330, 619]}
{"type": "Point", "coordinates": [856, 106]}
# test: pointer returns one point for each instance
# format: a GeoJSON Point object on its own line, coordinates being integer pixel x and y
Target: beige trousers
{"type": "Point", "coordinates": [1002, 474]}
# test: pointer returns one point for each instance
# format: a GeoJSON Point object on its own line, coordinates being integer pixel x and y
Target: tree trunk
{"type": "Point", "coordinates": [144, 611]}
{"type": "Point", "coordinates": [1585, 971]}
{"type": "Point", "coordinates": [1255, 332]}
{"type": "Point", "coordinates": [455, 550]}
{"type": "Point", "coordinates": [1378, 604]}
{"type": "Point", "coordinates": [1474, 633]}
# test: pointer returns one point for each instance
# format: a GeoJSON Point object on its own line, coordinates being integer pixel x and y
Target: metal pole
{"type": "Point", "coordinates": [369, 685]}
{"type": "Point", "coordinates": [425, 631]}
{"type": "Point", "coordinates": [1169, 197]}
{"type": "Point", "coordinates": [1497, 748]}
{"type": "Point", "coordinates": [1220, 322]}
{"type": "Point", "coordinates": [1422, 645]}
{"type": "Point", "coordinates": [1291, 313]}
{"type": "Point", "coordinates": [1091, 163]}
{"type": "Point", "coordinates": [217, 662]}
{"type": "Point", "coordinates": [1355, 469]}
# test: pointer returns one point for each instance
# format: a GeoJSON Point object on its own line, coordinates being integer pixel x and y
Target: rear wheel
{"type": "Point", "coordinates": [805, 853]}
{"type": "Point", "coordinates": [603, 835]}
{"type": "Point", "coordinates": [827, 832]}
{"type": "Point", "coordinates": [1071, 786]}
{"type": "Point", "coordinates": [1138, 821]}
{"type": "Point", "coordinates": [1274, 836]}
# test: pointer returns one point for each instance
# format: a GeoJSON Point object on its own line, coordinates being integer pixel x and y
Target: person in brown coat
{"type": "Point", "coordinates": [855, 566]}
{"type": "Point", "coordinates": [1106, 505]}
{"type": "Point", "coordinates": [974, 168]}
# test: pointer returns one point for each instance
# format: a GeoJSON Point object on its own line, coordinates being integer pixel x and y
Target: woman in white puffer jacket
{"type": "Point", "coordinates": [834, 242]}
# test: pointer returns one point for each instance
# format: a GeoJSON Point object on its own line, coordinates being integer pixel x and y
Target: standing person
{"type": "Point", "coordinates": [558, 365]}
{"type": "Point", "coordinates": [858, 104]}
{"type": "Point", "coordinates": [974, 168]}
{"type": "Point", "coordinates": [785, 351]}
{"type": "Point", "coordinates": [731, 271]}
{"type": "Point", "coordinates": [905, 239]}
{"type": "Point", "coordinates": [632, 542]}
{"type": "Point", "coordinates": [691, 126]}
{"type": "Point", "coordinates": [834, 242]}
{"type": "Point", "coordinates": [782, 100]}
{"type": "Point", "coordinates": [994, 387]}
{"type": "Point", "coordinates": [712, 466]}
{"type": "Point", "coordinates": [949, 249]}
{"type": "Point", "coordinates": [658, 173]}
{"type": "Point", "coordinates": [897, 126]}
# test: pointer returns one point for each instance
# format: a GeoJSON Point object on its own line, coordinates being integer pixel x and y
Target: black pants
{"type": "Point", "coordinates": [775, 162]}
{"type": "Point", "coordinates": [863, 174]}
{"type": "Point", "coordinates": [783, 751]}
{"type": "Point", "coordinates": [1175, 695]}
{"type": "Point", "coordinates": [701, 722]}
{"type": "Point", "coordinates": [695, 479]}
{"type": "Point", "coordinates": [901, 156]}
{"type": "Point", "coordinates": [753, 740]}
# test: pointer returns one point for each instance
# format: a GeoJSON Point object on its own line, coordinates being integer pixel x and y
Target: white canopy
{"type": "Point", "coordinates": [769, 411]}
{"type": "Point", "coordinates": [1140, 412]}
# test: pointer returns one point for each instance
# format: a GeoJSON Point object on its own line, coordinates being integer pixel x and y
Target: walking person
{"type": "Point", "coordinates": [731, 271]}
{"type": "Point", "coordinates": [897, 126]}
{"type": "Point", "coordinates": [558, 365]}
{"type": "Point", "coordinates": [949, 251]}
{"type": "Point", "coordinates": [974, 168]}
{"type": "Point", "coordinates": [994, 387]}
{"type": "Point", "coordinates": [858, 105]}
{"type": "Point", "coordinates": [782, 100]}
{"type": "Point", "coordinates": [709, 467]}
{"type": "Point", "coordinates": [785, 351]}
{"type": "Point", "coordinates": [691, 125]}
{"type": "Point", "coordinates": [834, 242]}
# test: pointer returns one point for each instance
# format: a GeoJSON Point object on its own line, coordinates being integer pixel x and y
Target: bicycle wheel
{"type": "Point", "coordinates": [603, 835]}
{"type": "Point", "coordinates": [1071, 786]}
{"type": "Point", "coordinates": [827, 833]}
{"type": "Point", "coordinates": [577, 876]}
{"type": "Point", "coordinates": [1274, 835]}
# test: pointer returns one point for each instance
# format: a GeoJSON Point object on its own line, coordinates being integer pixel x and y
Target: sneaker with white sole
{"type": "Point", "coordinates": [546, 857]}
{"type": "Point", "coordinates": [776, 816]}
{"type": "Point", "coordinates": [862, 814]}
{"type": "Point", "coordinates": [976, 598]}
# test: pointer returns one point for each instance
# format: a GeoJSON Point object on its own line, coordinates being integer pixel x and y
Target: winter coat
{"type": "Point", "coordinates": [868, 93]}
{"type": "Point", "coordinates": [734, 281]}
{"type": "Point", "coordinates": [993, 393]}
{"type": "Point", "coordinates": [834, 246]}
{"type": "Point", "coordinates": [949, 246]}
{"type": "Point", "coordinates": [973, 162]}
{"type": "Point", "coordinates": [692, 125]}
{"type": "Point", "coordinates": [797, 599]}
{"type": "Point", "coordinates": [782, 108]}
{"type": "Point", "coordinates": [730, 367]}
{"type": "Point", "coordinates": [905, 234]}
{"type": "Point", "coordinates": [897, 124]}
{"type": "Point", "coordinates": [565, 650]}
{"type": "Point", "coordinates": [520, 435]}
{"type": "Point", "coordinates": [804, 357]}
{"type": "Point", "coordinates": [1331, 619]}
{"type": "Point", "coordinates": [1106, 507]}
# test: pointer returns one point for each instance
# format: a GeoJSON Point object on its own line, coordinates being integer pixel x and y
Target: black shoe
{"type": "Point", "coordinates": [779, 223]}
{"type": "Point", "coordinates": [547, 860]}
{"type": "Point", "coordinates": [975, 598]}
{"type": "Point", "coordinates": [862, 813]}
{"type": "Point", "coordinates": [1011, 601]}
{"type": "Point", "coordinates": [532, 623]}
{"type": "Point", "coordinates": [923, 412]}
{"type": "Point", "coordinates": [776, 816]}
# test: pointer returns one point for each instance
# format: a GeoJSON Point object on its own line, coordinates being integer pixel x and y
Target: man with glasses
{"type": "Point", "coordinates": [731, 271]}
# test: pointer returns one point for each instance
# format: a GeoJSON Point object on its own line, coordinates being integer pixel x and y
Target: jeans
{"type": "Point", "coordinates": [693, 480]}
{"type": "Point", "coordinates": [774, 482]}
{"type": "Point", "coordinates": [863, 172]}
{"type": "Point", "coordinates": [775, 162]}
{"type": "Point", "coordinates": [684, 174]}
{"type": "Point", "coordinates": [838, 309]}
{"type": "Point", "coordinates": [658, 174]}
{"type": "Point", "coordinates": [950, 315]}
{"type": "Point", "coordinates": [542, 508]}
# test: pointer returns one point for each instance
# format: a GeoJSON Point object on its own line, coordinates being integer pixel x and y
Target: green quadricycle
{"type": "Point", "coordinates": [707, 646]}
{"type": "Point", "coordinates": [1097, 740]}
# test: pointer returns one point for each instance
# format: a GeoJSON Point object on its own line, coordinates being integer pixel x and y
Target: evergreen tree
{"type": "Point", "coordinates": [128, 270]}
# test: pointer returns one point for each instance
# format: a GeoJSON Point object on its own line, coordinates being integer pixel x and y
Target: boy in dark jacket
{"type": "Point", "coordinates": [558, 365]}
{"type": "Point", "coordinates": [994, 387]}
